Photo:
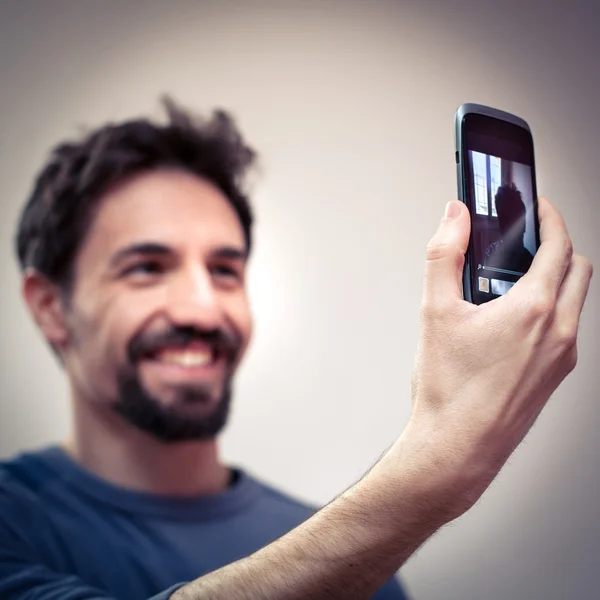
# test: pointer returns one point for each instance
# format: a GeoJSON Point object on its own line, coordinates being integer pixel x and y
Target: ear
{"type": "Point", "coordinates": [46, 305]}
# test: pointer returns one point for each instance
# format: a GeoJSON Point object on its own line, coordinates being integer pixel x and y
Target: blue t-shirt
{"type": "Point", "coordinates": [66, 534]}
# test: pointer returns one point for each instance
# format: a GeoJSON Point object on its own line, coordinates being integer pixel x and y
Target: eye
{"type": "Point", "coordinates": [226, 271]}
{"type": "Point", "coordinates": [148, 267]}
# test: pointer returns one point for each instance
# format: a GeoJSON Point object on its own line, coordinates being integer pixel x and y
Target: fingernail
{"type": "Point", "coordinates": [452, 210]}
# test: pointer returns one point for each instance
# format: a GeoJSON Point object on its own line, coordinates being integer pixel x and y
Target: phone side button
{"type": "Point", "coordinates": [457, 156]}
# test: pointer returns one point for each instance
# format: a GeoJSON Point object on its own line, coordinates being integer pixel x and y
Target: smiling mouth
{"type": "Point", "coordinates": [188, 357]}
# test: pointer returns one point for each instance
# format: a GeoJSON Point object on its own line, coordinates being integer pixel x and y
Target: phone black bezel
{"type": "Point", "coordinates": [488, 130]}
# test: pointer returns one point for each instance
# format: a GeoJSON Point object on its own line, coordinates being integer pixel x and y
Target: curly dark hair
{"type": "Point", "coordinates": [60, 209]}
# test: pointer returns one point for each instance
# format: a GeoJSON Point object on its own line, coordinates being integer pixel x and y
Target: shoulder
{"type": "Point", "coordinates": [25, 522]}
{"type": "Point", "coordinates": [23, 480]}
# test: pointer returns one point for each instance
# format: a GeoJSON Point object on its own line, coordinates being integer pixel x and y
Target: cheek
{"type": "Point", "coordinates": [128, 316]}
{"type": "Point", "coordinates": [89, 358]}
{"type": "Point", "coordinates": [101, 334]}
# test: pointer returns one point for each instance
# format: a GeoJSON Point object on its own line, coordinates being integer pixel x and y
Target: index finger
{"type": "Point", "coordinates": [553, 257]}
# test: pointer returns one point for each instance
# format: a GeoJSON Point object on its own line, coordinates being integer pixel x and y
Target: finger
{"type": "Point", "coordinates": [572, 295]}
{"type": "Point", "coordinates": [445, 255]}
{"type": "Point", "coordinates": [553, 257]}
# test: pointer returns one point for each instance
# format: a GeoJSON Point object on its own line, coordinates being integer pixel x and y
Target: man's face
{"type": "Point", "coordinates": [158, 317]}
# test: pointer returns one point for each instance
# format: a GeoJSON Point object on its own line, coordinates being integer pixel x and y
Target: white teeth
{"type": "Point", "coordinates": [185, 358]}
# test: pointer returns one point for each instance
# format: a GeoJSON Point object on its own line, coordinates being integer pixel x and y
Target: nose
{"type": "Point", "coordinates": [193, 301]}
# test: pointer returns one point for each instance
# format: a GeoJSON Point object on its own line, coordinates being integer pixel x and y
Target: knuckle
{"type": "Point", "coordinates": [540, 303]}
{"type": "Point", "coordinates": [436, 251]}
{"type": "Point", "coordinates": [571, 359]}
{"type": "Point", "coordinates": [567, 247]}
{"type": "Point", "coordinates": [566, 337]}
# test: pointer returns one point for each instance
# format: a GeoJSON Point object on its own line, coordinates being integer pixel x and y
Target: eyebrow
{"type": "Point", "coordinates": [231, 253]}
{"type": "Point", "coordinates": [141, 249]}
{"type": "Point", "coordinates": [155, 249]}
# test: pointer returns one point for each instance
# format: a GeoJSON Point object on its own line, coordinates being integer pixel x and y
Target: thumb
{"type": "Point", "coordinates": [445, 255]}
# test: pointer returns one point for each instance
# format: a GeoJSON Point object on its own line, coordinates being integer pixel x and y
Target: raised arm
{"type": "Point", "coordinates": [482, 376]}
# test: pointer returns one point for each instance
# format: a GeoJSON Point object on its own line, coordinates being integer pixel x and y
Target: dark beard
{"type": "Point", "coordinates": [170, 424]}
{"type": "Point", "coordinates": [178, 422]}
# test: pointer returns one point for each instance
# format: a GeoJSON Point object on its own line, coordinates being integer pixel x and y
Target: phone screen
{"type": "Point", "coordinates": [500, 191]}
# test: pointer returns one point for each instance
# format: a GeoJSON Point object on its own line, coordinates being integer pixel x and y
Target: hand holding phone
{"type": "Point", "coordinates": [496, 180]}
{"type": "Point", "coordinates": [483, 374]}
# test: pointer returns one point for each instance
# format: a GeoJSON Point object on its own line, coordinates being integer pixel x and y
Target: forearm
{"type": "Point", "coordinates": [349, 549]}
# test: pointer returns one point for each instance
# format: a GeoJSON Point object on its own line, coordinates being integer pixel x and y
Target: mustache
{"type": "Point", "coordinates": [224, 343]}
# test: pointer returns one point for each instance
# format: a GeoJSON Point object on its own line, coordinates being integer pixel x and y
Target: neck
{"type": "Point", "coordinates": [113, 450]}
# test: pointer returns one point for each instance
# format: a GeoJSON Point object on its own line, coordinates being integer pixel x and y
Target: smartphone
{"type": "Point", "coordinates": [496, 180]}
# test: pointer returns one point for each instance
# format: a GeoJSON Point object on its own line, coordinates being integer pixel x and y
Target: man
{"type": "Point", "coordinates": [133, 248]}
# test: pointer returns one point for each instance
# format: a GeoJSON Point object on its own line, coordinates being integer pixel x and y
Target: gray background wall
{"type": "Point", "coordinates": [351, 106]}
